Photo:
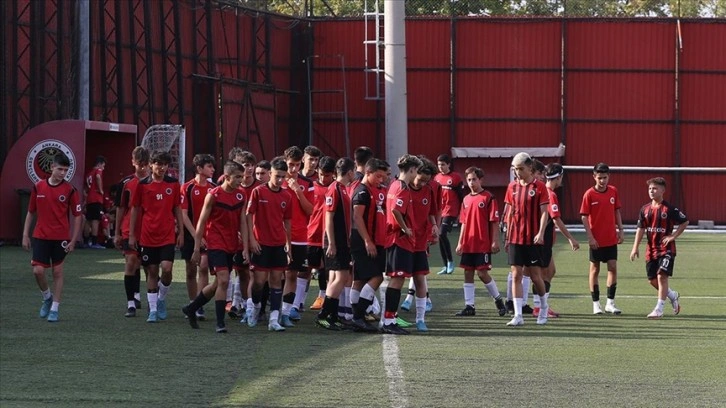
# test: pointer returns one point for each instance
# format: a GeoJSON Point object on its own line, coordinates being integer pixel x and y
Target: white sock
{"type": "Point", "coordinates": [660, 305]}
{"type": "Point", "coordinates": [230, 292]}
{"type": "Point", "coordinates": [131, 303]}
{"type": "Point", "coordinates": [354, 296]}
{"type": "Point", "coordinates": [526, 283]}
{"type": "Point", "coordinates": [469, 294]}
{"type": "Point", "coordinates": [274, 315]}
{"type": "Point", "coordinates": [137, 296]}
{"type": "Point", "coordinates": [321, 294]}
{"type": "Point", "coordinates": [420, 308]}
{"type": "Point", "coordinates": [376, 306]}
{"type": "Point", "coordinates": [346, 301]}
{"type": "Point", "coordinates": [163, 290]}
{"type": "Point", "coordinates": [300, 291]}
{"type": "Point", "coordinates": [411, 286]}
{"type": "Point", "coordinates": [518, 303]}
{"type": "Point", "coordinates": [509, 286]}
{"type": "Point", "coordinates": [286, 308]}
{"type": "Point", "coordinates": [535, 301]}
{"type": "Point", "coordinates": [46, 294]}
{"type": "Point", "coordinates": [492, 288]}
{"type": "Point", "coordinates": [237, 297]}
{"type": "Point", "coordinates": [671, 294]}
{"type": "Point", "coordinates": [152, 298]}
{"type": "Point", "coordinates": [54, 306]}
{"type": "Point", "coordinates": [610, 302]}
{"type": "Point", "coordinates": [250, 304]}
{"type": "Point", "coordinates": [368, 293]}
{"type": "Point", "coordinates": [543, 303]}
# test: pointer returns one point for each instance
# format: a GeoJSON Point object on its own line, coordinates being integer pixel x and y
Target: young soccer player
{"type": "Point", "coordinates": [553, 173]}
{"type": "Point", "coordinates": [326, 175]}
{"type": "Point", "coordinates": [157, 202]}
{"type": "Point", "coordinates": [223, 226]}
{"type": "Point", "coordinates": [478, 240]}
{"type": "Point", "coordinates": [269, 212]}
{"type": "Point", "coordinates": [132, 273]}
{"type": "Point", "coordinates": [452, 191]}
{"type": "Point", "coordinates": [656, 222]}
{"type": "Point", "coordinates": [527, 219]}
{"type": "Point", "coordinates": [262, 171]}
{"type": "Point", "coordinates": [193, 194]}
{"type": "Point", "coordinates": [401, 240]}
{"type": "Point", "coordinates": [94, 200]}
{"type": "Point", "coordinates": [600, 211]}
{"type": "Point", "coordinates": [53, 200]}
{"type": "Point", "coordinates": [311, 159]}
{"type": "Point", "coordinates": [367, 240]}
{"type": "Point", "coordinates": [241, 283]}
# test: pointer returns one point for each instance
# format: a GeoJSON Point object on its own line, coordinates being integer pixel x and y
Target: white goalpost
{"type": "Point", "coordinates": [172, 139]}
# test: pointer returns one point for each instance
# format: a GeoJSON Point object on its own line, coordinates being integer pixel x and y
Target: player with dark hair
{"type": "Point", "coordinates": [656, 221]}
{"type": "Point", "coordinates": [262, 171]}
{"type": "Point", "coordinates": [452, 192]}
{"type": "Point", "coordinates": [311, 159]}
{"type": "Point", "coordinates": [193, 194]}
{"type": "Point", "coordinates": [223, 226]}
{"type": "Point", "coordinates": [269, 212]}
{"type": "Point", "coordinates": [336, 242]}
{"type": "Point", "coordinates": [478, 240]}
{"type": "Point", "coordinates": [94, 200]}
{"type": "Point", "coordinates": [241, 283]}
{"type": "Point", "coordinates": [53, 200]}
{"type": "Point", "coordinates": [600, 211]}
{"type": "Point", "coordinates": [527, 219]}
{"type": "Point", "coordinates": [157, 202]}
{"type": "Point", "coordinates": [315, 256]}
{"type": "Point", "coordinates": [132, 272]}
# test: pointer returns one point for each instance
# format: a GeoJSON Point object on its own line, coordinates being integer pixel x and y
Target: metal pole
{"type": "Point", "coordinates": [395, 76]}
{"type": "Point", "coordinates": [84, 60]}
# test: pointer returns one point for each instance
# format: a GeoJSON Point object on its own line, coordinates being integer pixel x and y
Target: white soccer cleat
{"type": "Point", "coordinates": [596, 308]}
{"type": "Point", "coordinates": [516, 321]}
{"type": "Point", "coordinates": [542, 317]}
{"type": "Point", "coordinates": [610, 308]}
{"type": "Point", "coordinates": [655, 314]}
{"type": "Point", "coordinates": [676, 305]}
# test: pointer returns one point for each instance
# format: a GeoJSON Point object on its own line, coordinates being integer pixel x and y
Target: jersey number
{"type": "Point", "coordinates": [159, 197]}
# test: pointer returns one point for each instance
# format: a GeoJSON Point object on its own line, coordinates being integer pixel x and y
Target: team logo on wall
{"type": "Point", "coordinates": [40, 158]}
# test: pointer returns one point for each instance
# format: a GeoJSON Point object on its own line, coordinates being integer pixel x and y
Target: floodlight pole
{"type": "Point", "coordinates": [394, 33]}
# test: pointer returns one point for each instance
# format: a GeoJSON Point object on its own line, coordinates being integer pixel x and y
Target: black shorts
{"type": "Point", "coordinates": [546, 255]}
{"type": "Point", "coordinates": [298, 258]}
{"type": "Point", "coordinates": [270, 258]}
{"type": "Point", "coordinates": [94, 211]}
{"type": "Point", "coordinates": [48, 252]}
{"type": "Point", "coordinates": [315, 257]}
{"type": "Point", "coordinates": [156, 255]}
{"type": "Point", "coordinates": [127, 250]}
{"type": "Point", "coordinates": [479, 261]}
{"type": "Point", "coordinates": [447, 223]}
{"type": "Point", "coordinates": [219, 261]}
{"type": "Point", "coordinates": [399, 262]}
{"type": "Point", "coordinates": [239, 262]}
{"type": "Point", "coordinates": [421, 263]}
{"type": "Point", "coordinates": [366, 267]}
{"type": "Point", "coordinates": [188, 248]}
{"type": "Point", "coordinates": [525, 255]}
{"type": "Point", "coordinates": [340, 262]}
{"type": "Point", "coordinates": [662, 264]}
{"type": "Point", "coordinates": [604, 254]}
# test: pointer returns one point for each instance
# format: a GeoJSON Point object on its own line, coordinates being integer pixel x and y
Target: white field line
{"type": "Point", "coordinates": [396, 387]}
{"type": "Point", "coordinates": [555, 296]}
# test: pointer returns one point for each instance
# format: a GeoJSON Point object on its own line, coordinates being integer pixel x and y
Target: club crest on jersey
{"type": "Point", "coordinates": [399, 202]}
{"type": "Point", "coordinates": [425, 201]}
{"type": "Point", "coordinates": [328, 201]}
{"type": "Point", "coordinates": [283, 204]}
{"type": "Point", "coordinates": [196, 192]}
{"type": "Point", "coordinates": [555, 208]}
{"type": "Point", "coordinates": [62, 198]}
{"type": "Point", "coordinates": [239, 197]}
{"type": "Point", "coordinates": [449, 181]}
{"type": "Point", "coordinates": [612, 200]}
{"type": "Point", "coordinates": [663, 215]}
{"type": "Point", "coordinates": [381, 197]}
{"type": "Point", "coordinates": [40, 158]}
{"type": "Point", "coordinates": [482, 205]}
{"type": "Point", "coordinates": [680, 214]}
{"type": "Point", "coordinates": [168, 191]}
{"type": "Point", "coordinates": [532, 193]}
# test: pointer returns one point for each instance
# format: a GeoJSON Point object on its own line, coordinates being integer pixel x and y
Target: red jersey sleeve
{"type": "Point", "coordinates": [554, 207]}
{"type": "Point", "coordinates": [183, 196]}
{"type": "Point", "coordinates": [288, 207]}
{"type": "Point", "coordinates": [33, 204]}
{"type": "Point", "coordinates": [75, 203]}
{"type": "Point", "coordinates": [252, 203]}
{"type": "Point", "coordinates": [493, 210]}
{"type": "Point", "coordinates": [585, 206]}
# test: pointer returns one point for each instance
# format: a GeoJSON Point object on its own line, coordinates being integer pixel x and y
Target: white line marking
{"type": "Point", "coordinates": [396, 387]}
{"type": "Point", "coordinates": [639, 297]}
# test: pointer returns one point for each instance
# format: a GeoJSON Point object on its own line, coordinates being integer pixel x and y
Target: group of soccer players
{"type": "Point", "coordinates": [264, 228]}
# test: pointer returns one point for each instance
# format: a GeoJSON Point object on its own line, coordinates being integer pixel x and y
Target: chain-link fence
{"type": "Point", "coordinates": [499, 8]}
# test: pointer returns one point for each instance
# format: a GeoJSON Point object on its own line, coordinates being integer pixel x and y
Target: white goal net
{"type": "Point", "coordinates": [168, 138]}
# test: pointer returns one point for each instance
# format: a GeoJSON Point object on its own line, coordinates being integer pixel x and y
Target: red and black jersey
{"type": "Point", "coordinates": [599, 207]}
{"type": "Point", "coordinates": [554, 211]}
{"type": "Point", "coordinates": [373, 199]}
{"type": "Point", "coordinates": [94, 196]}
{"type": "Point", "coordinates": [423, 206]}
{"type": "Point", "coordinates": [223, 225]}
{"type": "Point", "coordinates": [525, 212]}
{"type": "Point", "coordinates": [299, 231]}
{"type": "Point", "coordinates": [337, 201]}
{"type": "Point", "coordinates": [192, 198]}
{"type": "Point", "coordinates": [53, 205]}
{"type": "Point", "coordinates": [315, 225]}
{"type": "Point", "coordinates": [451, 189]}
{"type": "Point", "coordinates": [247, 190]}
{"type": "Point", "coordinates": [270, 209]}
{"type": "Point", "coordinates": [658, 222]}
{"type": "Point", "coordinates": [123, 200]}
{"type": "Point", "coordinates": [157, 201]}
{"type": "Point", "coordinates": [478, 212]}
{"type": "Point", "coordinates": [399, 198]}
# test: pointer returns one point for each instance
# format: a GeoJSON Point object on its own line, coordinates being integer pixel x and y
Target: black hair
{"type": "Point", "coordinates": [327, 164]}
{"type": "Point", "coordinates": [601, 168]}
{"type": "Point", "coordinates": [265, 165]}
{"type": "Point", "coordinates": [293, 153]}
{"type": "Point", "coordinates": [279, 163]}
{"type": "Point", "coordinates": [344, 165]}
{"type": "Point", "coordinates": [99, 160]}
{"type": "Point", "coordinates": [476, 171]}
{"type": "Point", "coordinates": [140, 155]}
{"type": "Point", "coordinates": [362, 154]}
{"type": "Point", "coordinates": [444, 158]}
{"type": "Point", "coordinates": [373, 165]}
{"type": "Point", "coordinates": [313, 151]}
{"type": "Point", "coordinates": [60, 159]}
{"type": "Point", "coordinates": [408, 161]}
{"type": "Point", "coordinates": [554, 170]}
{"type": "Point", "coordinates": [202, 159]}
{"type": "Point", "coordinates": [160, 157]}
{"type": "Point", "coordinates": [232, 166]}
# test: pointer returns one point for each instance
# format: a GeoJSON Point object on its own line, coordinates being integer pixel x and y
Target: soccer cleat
{"type": "Point", "coordinates": [152, 317]}
{"type": "Point", "coordinates": [243, 320]}
{"type": "Point", "coordinates": [402, 323]}
{"type": "Point", "coordinates": [200, 314]}
{"type": "Point", "coordinates": [676, 304]}
{"type": "Point", "coordinates": [221, 329]}
{"type": "Point", "coordinates": [393, 329]}
{"type": "Point", "coordinates": [429, 305]}
{"type": "Point", "coordinates": [328, 324]}
{"type": "Point", "coordinates": [421, 326]}
{"type": "Point", "coordinates": [360, 325]}
{"type": "Point", "coordinates": [467, 311]}
{"type": "Point", "coordinates": [275, 326]}
{"type": "Point", "coordinates": [610, 308]}
{"type": "Point", "coordinates": [596, 308]}
{"type": "Point", "coordinates": [228, 306]}
{"type": "Point", "coordinates": [53, 316]}
{"type": "Point", "coordinates": [286, 321]}
{"type": "Point", "coordinates": [130, 312]}
{"type": "Point", "coordinates": [45, 307]}
{"type": "Point", "coordinates": [251, 317]}
{"type": "Point", "coordinates": [97, 246]}
{"type": "Point", "coordinates": [406, 305]}
{"type": "Point", "coordinates": [371, 317]}
{"type": "Point", "coordinates": [535, 312]}
{"type": "Point", "coordinates": [295, 315]}
{"type": "Point", "coordinates": [551, 314]}
{"type": "Point", "coordinates": [501, 307]}
{"type": "Point", "coordinates": [443, 271]}
{"type": "Point", "coordinates": [510, 306]}
{"type": "Point", "coordinates": [516, 321]}
{"type": "Point", "coordinates": [655, 314]}
{"type": "Point", "coordinates": [542, 316]}
{"type": "Point", "coordinates": [300, 308]}
{"type": "Point", "coordinates": [137, 303]}
{"type": "Point", "coordinates": [317, 304]}
{"type": "Point", "coordinates": [161, 309]}
{"type": "Point", "coordinates": [233, 312]}
{"type": "Point", "coordinates": [450, 267]}
{"type": "Point", "coordinates": [191, 316]}
{"type": "Point", "coordinates": [527, 309]}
